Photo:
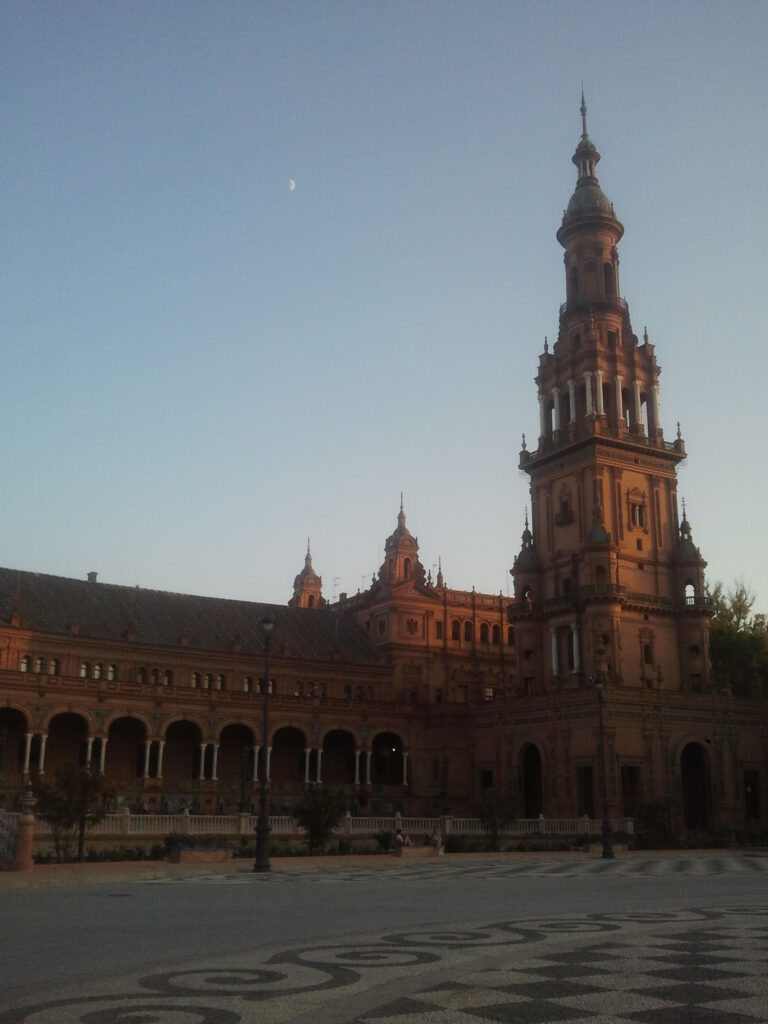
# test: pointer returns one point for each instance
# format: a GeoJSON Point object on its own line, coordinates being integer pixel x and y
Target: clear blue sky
{"type": "Point", "coordinates": [202, 367]}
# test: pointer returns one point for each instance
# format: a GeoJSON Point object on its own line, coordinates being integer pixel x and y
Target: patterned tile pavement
{"type": "Point", "coordinates": [671, 967]}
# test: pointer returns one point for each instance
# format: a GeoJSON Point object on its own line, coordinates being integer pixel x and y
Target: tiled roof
{"type": "Point", "coordinates": [103, 611]}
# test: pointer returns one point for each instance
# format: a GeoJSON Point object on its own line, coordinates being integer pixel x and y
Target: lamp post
{"type": "Point", "coordinates": [263, 829]}
{"type": "Point", "coordinates": [598, 678]}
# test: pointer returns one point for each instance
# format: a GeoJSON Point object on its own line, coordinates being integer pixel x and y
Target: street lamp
{"type": "Point", "coordinates": [598, 678]}
{"type": "Point", "coordinates": [263, 829]}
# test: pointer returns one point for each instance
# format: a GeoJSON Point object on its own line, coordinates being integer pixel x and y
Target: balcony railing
{"type": "Point", "coordinates": [614, 301]}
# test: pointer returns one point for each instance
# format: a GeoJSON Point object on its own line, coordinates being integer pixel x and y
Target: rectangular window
{"type": "Point", "coordinates": [489, 693]}
{"type": "Point", "coordinates": [439, 630]}
{"type": "Point", "coordinates": [486, 778]}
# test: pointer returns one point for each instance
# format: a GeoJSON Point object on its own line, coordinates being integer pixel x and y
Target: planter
{"type": "Point", "coordinates": [181, 856]}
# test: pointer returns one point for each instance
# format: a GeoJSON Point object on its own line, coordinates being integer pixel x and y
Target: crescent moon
{"type": "Point", "coordinates": [291, 185]}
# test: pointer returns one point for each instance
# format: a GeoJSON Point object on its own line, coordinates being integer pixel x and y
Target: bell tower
{"type": "Point", "coordinates": [603, 571]}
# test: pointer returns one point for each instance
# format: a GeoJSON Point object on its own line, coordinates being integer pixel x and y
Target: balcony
{"type": "Point", "coordinates": [606, 302]}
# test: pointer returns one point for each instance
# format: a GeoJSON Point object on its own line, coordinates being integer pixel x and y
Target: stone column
{"type": "Point", "coordinates": [619, 403]}
{"type": "Point", "coordinates": [41, 756]}
{"type": "Point", "coordinates": [542, 416]}
{"type": "Point", "coordinates": [102, 754]}
{"type": "Point", "coordinates": [147, 752]}
{"type": "Point", "coordinates": [203, 747]}
{"type": "Point", "coordinates": [588, 390]}
{"type": "Point", "coordinates": [215, 766]}
{"type": "Point", "coordinates": [555, 652]}
{"type": "Point", "coordinates": [88, 752]}
{"type": "Point", "coordinates": [306, 765]}
{"type": "Point", "coordinates": [572, 401]}
{"type": "Point", "coordinates": [319, 772]}
{"type": "Point", "coordinates": [269, 762]}
{"type": "Point", "coordinates": [27, 751]}
{"type": "Point", "coordinates": [656, 420]}
{"type": "Point", "coordinates": [556, 403]}
{"type": "Point", "coordinates": [576, 648]}
{"type": "Point", "coordinates": [357, 767]}
{"type": "Point", "coordinates": [405, 767]}
{"type": "Point", "coordinates": [160, 749]}
{"type": "Point", "coordinates": [23, 859]}
{"type": "Point", "coordinates": [599, 392]}
{"type": "Point", "coordinates": [368, 767]}
{"type": "Point", "coordinates": [256, 763]}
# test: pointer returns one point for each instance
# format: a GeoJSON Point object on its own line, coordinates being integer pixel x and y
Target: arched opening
{"type": "Point", "coordinates": [510, 636]}
{"type": "Point", "coordinates": [181, 759]}
{"type": "Point", "coordinates": [694, 771]}
{"type": "Point", "coordinates": [407, 568]}
{"type": "Point", "coordinates": [496, 635]}
{"type": "Point", "coordinates": [339, 758]}
{"type": "Point", "coordinates": [690, 592]}
{"type": "Point", "coordinates": [468, 632]}
{"type": "Point", "coordinates": [387, 760]}
{"type": "Point", "coordinates": [600, 575]}
{"type": "Point", "coordinates": [287, 760]}
{"type": "Point", "coordinates": [455, 630]}
{"type": "Point", "coordinates": [609, 280]}
{"type": "Point", "coordinates": [311, 601]}
{"type": "Point", "coordinates": [527, 597]}
{"type": "Point", "coordinates": [483, 632]}
{"type": "Point", "coordinates": [13, 730]}
{"type": "Point", "coordinates": [124, 760]}
{"type": "Point", "coordinates": [67, 742]}
{"type": "Point", "coordinates": [532, 782]}
{"type": "Point", "coordinates": [235, 767]}
{"type": "Point", "coordinates": [647, 654]}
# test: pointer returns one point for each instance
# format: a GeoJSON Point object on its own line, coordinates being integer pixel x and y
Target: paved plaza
{"type": "Point", "coordinates": [464, 940]}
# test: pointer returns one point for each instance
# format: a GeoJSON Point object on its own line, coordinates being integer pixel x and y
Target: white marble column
{"type": "Point", "coordinates": [306, 765]}
{"type": "Point", "coordinates": [27, 751]}
{"type": "Point", "coordinates": [160, 749]}
{"type": "Point", "coordinates": [319, 773]}
{"type": "Point", "coordinates": [619, 403]}
{"type": "Point", "coordinates": [102, 755]}
{"type": "Point", "coordinates": [357, 767]}
{"type": "Point", "coordinates": [588, 390]}
{"type": "Point", "coordinates": [555, 652]}
{"type": "Point", "coordinates": [147, 750]}
{"type": "Point", "coordinates": [572, 401]}
{"type": "Point", "coordinates": [368, 767]}
{"type": "Point", "coordinates": [215, 765]}
{"type": "Point", "coordinates": [41, 756]}
{"type": "Point", "coordinates": [88, 752]}
{"type": "Point", "coordinates": [576, 649]}
{"type": "Point", "coordinates": [656, 420]}
{"type": "Point", "coordinates": [556, 403]}
{"type": "Point", "coordinates": [405, 767]}
{"type": "Point", "coordinates": [599, 392]}
{"type": "Point", "coordinates": [202, 760]}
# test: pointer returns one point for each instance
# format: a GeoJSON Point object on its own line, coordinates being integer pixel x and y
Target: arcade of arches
{"type": "Point", "coordinates": [410, 694]}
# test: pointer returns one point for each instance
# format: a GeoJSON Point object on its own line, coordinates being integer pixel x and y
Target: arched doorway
{"type": "Point", "coordinates": [287, 760]}
{"type": "Point", "coordinates": [124, 760]}
{"type": "Point", "coordinates": [694, 772]}
{"type": "Point", "coordinates": [181, 761]}
{"type": "Point", "coordinates": [339, 758]}
{"type": "Point", "coordinates": [67, 745]}
{"type": "Point", "coordinates": [533, 789]}
{"type": "Point", "coordinates": [13, 738]}
{"type": "Point", "coordinates": [387, 760]}
{"type": "Point", "coordinates": [235, 767]}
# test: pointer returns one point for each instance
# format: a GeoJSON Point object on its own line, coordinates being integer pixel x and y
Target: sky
{"type": "Point", "coordinates": [204, 365]}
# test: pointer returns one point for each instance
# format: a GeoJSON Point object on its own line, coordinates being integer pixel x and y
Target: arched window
{"type": "Point", "coordinates": [248, 684]}
{"type": "Point", "coordinates": [208, 681]}
{"type": "Point", "coordinates": [168, 677]}
{"type": "Point", "coordinates": [647, 654]}
{"type": "Point", "coordinates": [496, 634]}
{"type": "Point", "coordinates": [85, 670]}
{"type": "Point", "coordinates": [407, 568]}
{"type": "Point", "coordinates": [311, 601]}
{"type": "Point", "coordinates": [98, 670]}
{"type": "Point", "coordinates": [510, 636]}
{"type": "Point", "coordinates": [484, 633]}
{"type": "Point", "coordinates": [608, 279]}
{"type": "Point", "coordinates": [141, 674]}
{"type": "Point", "coordinates": [221, 681]}
{"type": "Point", "coordinates": [155, 676]}
{"type": "Point", "coordinates": [53, 667]}
{"type": "Point", "coordinates": [347, 693]}
{"type": "Point", "coordinates": [321, 691]}
{"type": "Point", "coordinates": [196, 680]}
{"type": "Point", "coordinates": [690, 592]}
{"type": "Point", "coordinates": [39, 665]}
{"type": "Point", "coordinates": [111, 673]}
{"type": "Point", "coordinates": [26, 661]}
{"type": "Point", "coordinates": [298, 689]}
{"type": "Point", "coordinates": [468, 632]}
{"type": "Point", "coordinates": [455, 630]}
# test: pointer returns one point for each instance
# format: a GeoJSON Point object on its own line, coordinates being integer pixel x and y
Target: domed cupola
{"type": "Point", "coordinates": [691, 565]}
{"type": "Point", "coordinates": [401, 554]}
{"type": "Point", "coordinates": [307, 587]}
{"type": "Point", "coordinates": [525, 570]}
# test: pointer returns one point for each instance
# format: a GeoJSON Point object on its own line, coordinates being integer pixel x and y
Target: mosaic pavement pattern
{"type": "Point", "coordinates": [677, 967]}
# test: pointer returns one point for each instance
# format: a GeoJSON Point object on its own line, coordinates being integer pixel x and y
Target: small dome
{"type": "Point", "coordinates": [589, 198]}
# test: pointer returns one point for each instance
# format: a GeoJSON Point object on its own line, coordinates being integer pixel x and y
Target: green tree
{"type": "Point", "coordinates": [496, 810]}
{"type": "Point", "coordinates": [738, 642]}
{"type": "Point", "coordinates": [72, 804]}
{"type": "Point", "coordinates": [319, 812]}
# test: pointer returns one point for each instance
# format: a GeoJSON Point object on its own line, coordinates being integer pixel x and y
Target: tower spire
{"type": "Point", "coordinates": [583, 113]}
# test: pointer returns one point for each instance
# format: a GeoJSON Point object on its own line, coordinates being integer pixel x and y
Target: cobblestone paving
{"type": "Point", "coordinates": [669, 967]}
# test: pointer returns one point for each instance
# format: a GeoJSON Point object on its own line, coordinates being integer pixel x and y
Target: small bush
{"type": "Point", "coordinates": [385, 840]}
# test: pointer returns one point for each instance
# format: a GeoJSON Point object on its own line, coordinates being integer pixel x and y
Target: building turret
{"type": "Point", "coordinates": [401, 555]}
{"type": "Point", "coordinates": [307, 587]}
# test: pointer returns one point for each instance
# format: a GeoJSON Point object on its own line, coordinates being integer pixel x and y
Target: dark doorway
{"type": "Point", "coordinates": [532, 783]}
{"type": "Point", "coordinates": [631, 790]}
{"type": "Point", "coordinates": [585, 790]}
{"type": "Point", "coordinates": [695, 780]}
